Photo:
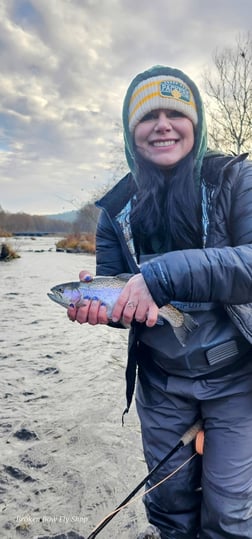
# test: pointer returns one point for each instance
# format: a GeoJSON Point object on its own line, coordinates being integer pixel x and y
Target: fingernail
{"type": "Point", "coordinates": [88, 278]}
{"type": "Point", "coordinates": [71, 305]}
{"type": "Point", "coordinates": [94, 298]}
{"type": "Point", "coordinates": [87, 297]}
{"type": "Point", "coordinates": [103, 304]}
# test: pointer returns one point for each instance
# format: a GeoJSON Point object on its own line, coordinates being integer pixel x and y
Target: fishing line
{"type": "Point", "coordinates": [187, 437]}
{"type": "Point", "coordinates": [108, 517]}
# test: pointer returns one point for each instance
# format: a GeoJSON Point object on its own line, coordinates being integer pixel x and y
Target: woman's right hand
{"type": "Point", "coordinates": [92, 312]}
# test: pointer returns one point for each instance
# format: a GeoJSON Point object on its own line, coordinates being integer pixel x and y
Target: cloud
{"type": "Point", "coordinates": [65, 67]}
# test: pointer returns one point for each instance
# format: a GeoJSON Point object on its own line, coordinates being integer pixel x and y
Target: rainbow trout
{"type": "Point", "coordinates": [107, 290]}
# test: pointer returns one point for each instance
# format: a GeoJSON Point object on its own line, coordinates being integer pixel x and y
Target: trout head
{"type": "Point", "coordinates": [65, 294]}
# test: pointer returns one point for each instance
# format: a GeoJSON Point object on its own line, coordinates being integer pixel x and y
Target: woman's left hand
{"type": "Point", "coordinates": [136, 302]}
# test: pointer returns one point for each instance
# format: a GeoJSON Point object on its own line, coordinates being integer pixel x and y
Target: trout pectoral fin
{"type": "Point", "coordinates": [126, 326]}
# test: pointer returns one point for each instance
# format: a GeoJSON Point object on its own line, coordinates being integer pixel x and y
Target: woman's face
{"type": "Point", "coordinates": [164, 137]}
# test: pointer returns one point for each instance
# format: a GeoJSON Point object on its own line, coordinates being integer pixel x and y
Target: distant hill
{"type": "Point", "coordinates": [68, 216]}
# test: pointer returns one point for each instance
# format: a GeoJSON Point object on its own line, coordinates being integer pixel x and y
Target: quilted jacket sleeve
{"type": "Point", "coordinates": [212, 274]}
{"type": "Point", "coordinates": [109, 256]}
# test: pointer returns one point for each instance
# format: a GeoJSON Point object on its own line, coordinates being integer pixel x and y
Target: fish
{"type": "Point", "coordinates": [107, 289]}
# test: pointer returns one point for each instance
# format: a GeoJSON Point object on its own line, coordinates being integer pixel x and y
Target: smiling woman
{"type": "Point", "coordinates": [181, 222]}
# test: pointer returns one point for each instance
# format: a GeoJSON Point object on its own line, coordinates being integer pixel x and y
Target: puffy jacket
{"type": "Point", "coordinates": [219, 272]}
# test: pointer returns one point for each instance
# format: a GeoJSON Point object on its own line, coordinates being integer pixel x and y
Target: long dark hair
{"type": "Point", "coordinates": [167, 204]}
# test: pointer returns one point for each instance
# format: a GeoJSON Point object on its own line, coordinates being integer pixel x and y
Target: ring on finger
{"type": "Point", "coordinates": [131, 304]}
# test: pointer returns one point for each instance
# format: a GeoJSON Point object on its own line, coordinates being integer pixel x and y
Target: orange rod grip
{"type": "Point", "coordinates": [199, 442]}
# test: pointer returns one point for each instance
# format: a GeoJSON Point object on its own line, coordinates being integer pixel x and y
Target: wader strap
{"type": "Point", "coordinates": [187, 306]}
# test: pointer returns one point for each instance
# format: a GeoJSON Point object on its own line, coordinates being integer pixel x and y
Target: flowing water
{"type": "Point", "coordinates": [65, 459]}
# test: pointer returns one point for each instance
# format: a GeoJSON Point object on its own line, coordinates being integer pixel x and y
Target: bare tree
{"type": "Point", "coordinates": [229, 89]}
{"type": "Point", "coordinates": [86, 220]}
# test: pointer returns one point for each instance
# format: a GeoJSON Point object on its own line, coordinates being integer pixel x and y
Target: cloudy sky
{"type": "Point", "coordinates": [65, 66]}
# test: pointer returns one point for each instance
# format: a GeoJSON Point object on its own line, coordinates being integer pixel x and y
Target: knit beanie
{"type": "Point", "coordinates": [161, 92]}
{"type": "Point", "coordinates": [162, 87]}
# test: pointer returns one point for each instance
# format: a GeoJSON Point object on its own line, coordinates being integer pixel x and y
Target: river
{"type": "Point", "coordinates": [66, 461]}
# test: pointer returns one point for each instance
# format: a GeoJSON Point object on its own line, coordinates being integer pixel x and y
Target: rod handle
{"type": "Point", "coordinates": [191, 433]}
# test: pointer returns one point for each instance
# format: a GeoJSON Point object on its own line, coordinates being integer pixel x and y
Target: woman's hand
{"type": "Point", "coordinates": [136, 302]}
{"type": "Point", "coordinates": [92, 312]}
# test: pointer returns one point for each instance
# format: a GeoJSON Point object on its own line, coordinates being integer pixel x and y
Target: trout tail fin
{"type": "Point", "coordinates": [183, 330]}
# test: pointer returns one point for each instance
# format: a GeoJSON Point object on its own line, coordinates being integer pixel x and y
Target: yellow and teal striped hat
{"type": "Point", "coordinates": [161, 92]}
{"type": "Point", "coordinates": [163, 87]}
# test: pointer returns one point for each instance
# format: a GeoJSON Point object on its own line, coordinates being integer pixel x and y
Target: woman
{"type": "Point", "coordinates": [181, 221]}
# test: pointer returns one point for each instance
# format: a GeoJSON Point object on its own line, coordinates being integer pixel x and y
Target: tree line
{"type": "Point", "coordinates": [23, 222]}
{"type": "Point", "coordinates": [13, 223]}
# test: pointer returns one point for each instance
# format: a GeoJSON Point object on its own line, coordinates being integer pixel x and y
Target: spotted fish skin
{"type": "Point", "coordinates": [107, 290]}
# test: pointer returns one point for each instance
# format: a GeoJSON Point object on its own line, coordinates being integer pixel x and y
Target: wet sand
{"type": "Point", "coordinates": [66, 461]}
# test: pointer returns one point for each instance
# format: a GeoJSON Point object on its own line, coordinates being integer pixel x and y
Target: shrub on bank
{"type": "Point", "coordinates": [4, 233]}
{"type": "Point", "coordinates": [7, 252]}
{"type": "Point", "coordinates": [77, 243]}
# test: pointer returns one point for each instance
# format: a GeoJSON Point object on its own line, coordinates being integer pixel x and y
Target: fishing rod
{"type": "Point", "coordinates": [187, 437]}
